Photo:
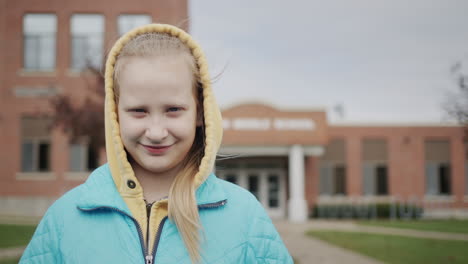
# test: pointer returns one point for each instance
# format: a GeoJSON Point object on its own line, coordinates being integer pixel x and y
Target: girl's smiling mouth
{"type": "Point", "coordinates": [156, 149]}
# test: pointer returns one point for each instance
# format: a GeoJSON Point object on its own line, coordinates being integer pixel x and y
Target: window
{"type": "Point", "coordinates": [35, 156]}
{"type": "Point", "coordinates": [382, 183]}
{"type": "Point", "coordinates": [87, 41]}
{"type": "Point", "coordinates": [332, 179]}
{"type": "Point", "coordinates": [340, 180]}
{"type": "Point", "coordinates": [35, 145]}
{"type": "Point", "coordinates": [438, 171]}
{"type": "Point", "coordinates": [253, 184]}
{"type": "Point", "coordinates": [39, 41]}
{"type": "Point", "coordinates": [129, 22]}
{"type": "Point", "coordinates": [444, 179]}
{"type": "Point", "coordinates": [332, 169]}
{"type": "Point", "coordinates": [375, 179]}
{"type": "Point", "coordinates": [231, 178]}
{"type": "Point", "coordinates": [374, 167]}
{"type": "Point", "coordinates": [82, 158]}
{"type": "Point", "coordinates": [273, 191]}
{"type": "Point", "coordinates": [438, 180]}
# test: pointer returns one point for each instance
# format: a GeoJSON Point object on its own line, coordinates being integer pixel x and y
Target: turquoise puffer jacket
{"type": "Point", "coordinates": [92, 224]}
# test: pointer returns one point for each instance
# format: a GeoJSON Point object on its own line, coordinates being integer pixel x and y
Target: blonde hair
{"type": "Point", "coordinates": [182, 208]}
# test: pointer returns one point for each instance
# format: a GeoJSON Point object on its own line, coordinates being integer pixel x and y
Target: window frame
{"type": "Point", "coordinates": [377, 180]}
{"type": "Point", "coordinates": [122, 16]}
{"type": "Point", "coordinates": [332, 167]}
{"type": "Point", "coordinates": [53, 35]}
{"type": "Point", "coordinates": [36, 141]}
{"type": "Point", "coordinates": [73, 66]}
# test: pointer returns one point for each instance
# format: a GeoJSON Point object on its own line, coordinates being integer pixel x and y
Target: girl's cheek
{"type": "Point", "coordinates": [132, 125]}
{"type": "Point", "coordinates": [184, 125]}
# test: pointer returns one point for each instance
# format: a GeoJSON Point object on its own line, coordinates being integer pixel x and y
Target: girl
{"type": "Point", "coordinates": [156, 200]}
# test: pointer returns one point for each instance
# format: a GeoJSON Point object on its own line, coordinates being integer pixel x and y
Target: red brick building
{"type": "Point", "coordinates": [294, 160]}
{"type": "Point", "coordinates": [291, 160]}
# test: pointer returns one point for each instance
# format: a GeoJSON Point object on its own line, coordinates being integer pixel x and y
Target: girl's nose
{"type": "Point", "coordinates": [156, 131]}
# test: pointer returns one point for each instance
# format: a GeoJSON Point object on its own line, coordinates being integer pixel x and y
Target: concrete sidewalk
{"type": "Point", "coordinates": [306, 250]}
{"type": "Point", "coordinates": [10, 253]}
{"type": "Point", "coordinates": [309, 250]}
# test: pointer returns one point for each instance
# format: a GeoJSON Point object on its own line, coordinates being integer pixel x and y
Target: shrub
{"type": "Point", "coordinates": [367, 211]}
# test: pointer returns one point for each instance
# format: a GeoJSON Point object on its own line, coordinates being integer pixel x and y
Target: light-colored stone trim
{"type": "Point", "coordinates": [444, 213]}
{"type": "Point", "coordinates": [439, 198]}
{"type": "Point", "coordinates": [343, 199]}
{"type": "Point", "coordinates": [77, 176]}
{"type": "Point", "coordinates": [269, 150]}
{"type": "Point", "coordinates": [36, 176]}
{"type": "Point", "coordinates": [36, 73]}
{"type": "Point", "coordinates": [31, 206]}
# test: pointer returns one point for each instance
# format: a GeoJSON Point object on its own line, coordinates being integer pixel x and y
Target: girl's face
{"type": "Point", "coordinates": [157, 111]}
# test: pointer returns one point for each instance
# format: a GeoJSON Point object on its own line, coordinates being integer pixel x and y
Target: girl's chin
{"type": "Point", "coordinates": [150, 167]}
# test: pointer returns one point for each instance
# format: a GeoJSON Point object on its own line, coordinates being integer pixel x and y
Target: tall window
{"type": "Point", "coordinates": [39, 32]}
{"type": "Point", "coordinates": [35, 144]}
{"type": "Point", "coordinates": [253, 184]}
{"type": "Point", "coordinates": [374, 167]}
{"type": "Point", "coordinates": [381, 180]}
{"type": "Point", "coordinates": [273, 190]}
{"type": "Point", "coordinates": [82, 158]}
{"type": "Point", "coordinates": [87, 41]}
{"type": "Point", "coordinates": [129, 22]}
{"type": "Point", "coordinates": [332, 179]}
{"type": "Point", "coordinates": [375, 179]}
{"type": "Point", "coordinates": [444, 179]}
{"type": "Point", "coordinates": [438, 171]}
{"type": "Point", "coordinates": [340, 180]}
{"type": "Point", "coordinates": [333, 169]}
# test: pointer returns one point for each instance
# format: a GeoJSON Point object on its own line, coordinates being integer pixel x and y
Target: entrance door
{"type": "Point", "coordinates": [267, 185]}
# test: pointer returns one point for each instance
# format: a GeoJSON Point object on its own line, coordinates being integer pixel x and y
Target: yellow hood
{"type": "Point", "coordinates": [120, 168]}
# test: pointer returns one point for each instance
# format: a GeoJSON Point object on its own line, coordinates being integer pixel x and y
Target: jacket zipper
{"type": "Point", "coordinates": [156, 240]}
{"type": "Point", "coordinates": [149, 258]}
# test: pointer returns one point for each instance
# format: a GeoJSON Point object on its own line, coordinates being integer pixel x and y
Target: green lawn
{"type": "Point", "coordinates": [452, 226]}
{"type": "Point", "coordinates": [15, 235]}
{"type": "Point", "coordinates": [398, 249]}
{"type": "Point", "coordinates": [9, 261]}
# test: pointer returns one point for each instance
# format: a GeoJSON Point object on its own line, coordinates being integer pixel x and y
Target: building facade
{"type": "Point", "coordinates": [292, 161]}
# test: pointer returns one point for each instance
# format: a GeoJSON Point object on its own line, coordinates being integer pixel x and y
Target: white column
{"type": "Point", "coordinates": [297, 204]}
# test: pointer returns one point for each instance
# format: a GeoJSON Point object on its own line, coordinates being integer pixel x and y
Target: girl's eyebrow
{"type": "Point", "coordinates": [134, 105]}
{"type": "Point", "coordinates": [179, 104]}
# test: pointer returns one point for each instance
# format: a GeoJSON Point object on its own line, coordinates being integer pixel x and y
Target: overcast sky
{"type": "Point", "coordinates": [385, 61]}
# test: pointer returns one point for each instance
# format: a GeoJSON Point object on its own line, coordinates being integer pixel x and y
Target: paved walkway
{"type": "Point", "coordinates": [310, 250]}
{"type": "Point", "coordinates": [8, 253]}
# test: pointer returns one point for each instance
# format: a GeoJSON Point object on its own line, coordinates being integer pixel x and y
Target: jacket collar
{"type": "Point", "coordinates": [99, 190]}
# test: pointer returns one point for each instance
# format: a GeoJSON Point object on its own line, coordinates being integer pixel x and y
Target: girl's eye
{"type": "Point", "coordinates": [174, 109]}
{"type": "Point", "coordinates": [138, 110]}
